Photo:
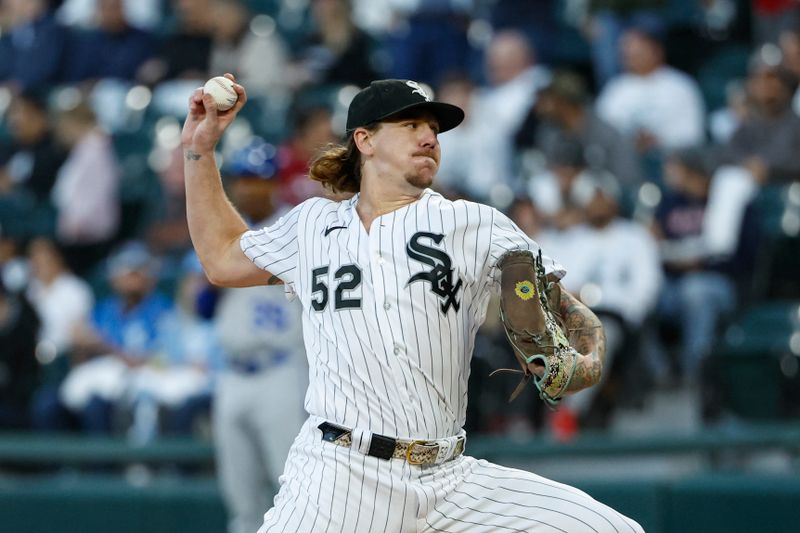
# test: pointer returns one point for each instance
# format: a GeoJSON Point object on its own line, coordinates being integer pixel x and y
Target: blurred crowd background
{"type": "Point", "coordinates": [649, 145]}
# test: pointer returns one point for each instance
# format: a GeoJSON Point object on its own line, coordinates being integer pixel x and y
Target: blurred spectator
{"type": "Point", "coordinates": [337, 51]}
{"type": "Point", "coordinates": [185, 51]}
{"type": "Point", "coordinates": [125, 334]}
{"type": "Point", "coordinates": [606, 22]}
{"type": "Point", "coordinates": [624, 262]}
{"type": "Point", "coordinates": [771, 17]}
{"type": "Point", "coordinates": [28, 169]}
{"type": "Point", "coordinates": [311, 132]}
{"type": "Point", "coordinates": [64, 302]}
{"type": "Point", "coordinates": [34, 156]}
{"type": "Point", "coordinates": [429, 39]}
{"type": "Point", "coordinates": [515, 80]}
{"type": "Point", "coordinates": [86, 192]}
{"type": "Point", "coordinates": [111, 49]}
{"type": "Point", "coordinates": [697, 292]}
{"type": "Point", "coordinates": [172, 391]}
{"type": "Point", "coordinates": [563, 109]}
{"type": "Point", "coordinates": [768, 139]}
{"type": "Point", "coordinates": [657, 105]}
{"type": "Point", "coordinates": [250, 48]}
{"type": "Point", "coordinates": [19, 371]}
{"type": "Point", "coordinates": [556, 191]}
{"type": "Point", "coordinates": [536, 20]}
{"type": "Point", "coordinates": [143, 14]}
{"type": "Point", "coordinates": [790, 58]}
{"type": "Point", "coordinates": [60, 298]}
{"type": "Point", "coordinates": [258, 406]}
{"type": "Point", "coordinates": [454, 168]}
{"type": "Point", "coordinates": [31, 50]}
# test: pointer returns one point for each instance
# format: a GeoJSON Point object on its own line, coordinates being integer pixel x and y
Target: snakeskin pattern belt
{"type": "Point", "coordinates": [415, 452]}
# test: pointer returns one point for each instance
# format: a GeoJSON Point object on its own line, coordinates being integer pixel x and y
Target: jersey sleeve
{"type": "Point", "coordinates": [506, 236]}
{"type": "Point", "coordinates": [274, 248]}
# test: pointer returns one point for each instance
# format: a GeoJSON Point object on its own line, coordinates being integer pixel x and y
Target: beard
{"type": "Point", "coordinates": [422, 175]}
{"type": "Point", "coordinates": [420, 181]}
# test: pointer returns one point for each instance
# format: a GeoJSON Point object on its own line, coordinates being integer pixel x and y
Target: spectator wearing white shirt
{"type": "Point", "coordinates": [515, 80]}
{"type": "Point", "coordinates": [61, 299]}
{"type": "Point", "coordinates": [63, 302]}
{"type": "Point", "coordinates": [659, 106]}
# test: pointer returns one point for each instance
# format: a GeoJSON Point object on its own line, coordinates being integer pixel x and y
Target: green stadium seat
{"type": "Point", "coordinates": [754, 371]}
{"type": "Point", "coordinates": [729, 63]}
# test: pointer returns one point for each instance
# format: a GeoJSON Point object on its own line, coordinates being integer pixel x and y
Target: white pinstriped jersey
{"type": "Point", "coordinates": [390, 316]}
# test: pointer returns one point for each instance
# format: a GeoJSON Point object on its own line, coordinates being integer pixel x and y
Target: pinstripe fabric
{"type": "Point", "coordinates": [389, 323]}
{"type": "Point", "coordinates": [328, 488]}
{"type": "Point", "coordinates": [396, 363]}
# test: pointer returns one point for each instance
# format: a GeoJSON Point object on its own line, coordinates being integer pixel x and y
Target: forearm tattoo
{"type": "Point", "coordinates": [192, 155]}
{"type": "Point", "coordinates": [586, 335]}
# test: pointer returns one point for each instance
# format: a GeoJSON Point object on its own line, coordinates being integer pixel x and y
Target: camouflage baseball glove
{"type": "Point", "coordinates": [529, 306]}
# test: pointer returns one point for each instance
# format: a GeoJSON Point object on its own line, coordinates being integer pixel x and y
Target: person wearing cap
{"type": "Point", "coordinates": [258, 399]}
{"type": "Point", "coordinates": [767, 139]}
{"type": "Point", "coordinates": [563, 109]}
{"type": "Point", "coordinates": [124, 333]}
{"type": "Point", "coordinates": [393, 283]}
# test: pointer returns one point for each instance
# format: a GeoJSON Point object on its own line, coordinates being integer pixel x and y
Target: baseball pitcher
{"type": "Point", "coordinates": [394, 283]}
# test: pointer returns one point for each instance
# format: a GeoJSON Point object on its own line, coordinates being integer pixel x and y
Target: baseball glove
{"type": "Point", "coordinates": [529, 305]}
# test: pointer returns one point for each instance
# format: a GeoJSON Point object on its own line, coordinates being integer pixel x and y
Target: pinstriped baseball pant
{"type": "Point", "coordinates": [327, 488]}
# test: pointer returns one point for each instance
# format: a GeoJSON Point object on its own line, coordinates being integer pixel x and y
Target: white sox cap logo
{"type": "Point", "coordinates": [418, 90]}
{"type": "Point", "coordinates": [384, 98]}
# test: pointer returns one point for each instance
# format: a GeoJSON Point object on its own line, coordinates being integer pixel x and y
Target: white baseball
{"type": "Point", "coordinates": [221, 89]}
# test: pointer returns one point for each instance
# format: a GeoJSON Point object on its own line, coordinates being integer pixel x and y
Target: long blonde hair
{"type": "Point", "coordinates": [338, 167]}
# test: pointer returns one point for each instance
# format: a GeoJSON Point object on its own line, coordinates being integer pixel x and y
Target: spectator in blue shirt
{"type": "Point", "coordinates": [125, 334]}
{"type": "Point", "coordinates": [31, 51]}
{"type": "Point", "coordinates": [114, 49]}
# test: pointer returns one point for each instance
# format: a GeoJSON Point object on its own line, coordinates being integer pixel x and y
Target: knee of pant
{"type": "Point", "coordinates": [47, 412]}
{"type": "Point", "coordinates": [699, 292]}
{"type": "Point", "coordinates": [97, 415]}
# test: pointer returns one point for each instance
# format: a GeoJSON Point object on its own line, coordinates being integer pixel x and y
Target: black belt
{"type": "Point", "coordinates": [415, 452]}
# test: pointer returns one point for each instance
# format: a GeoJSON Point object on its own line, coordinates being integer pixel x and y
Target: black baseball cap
{"type": "Point", "coordinates": [384, 98]}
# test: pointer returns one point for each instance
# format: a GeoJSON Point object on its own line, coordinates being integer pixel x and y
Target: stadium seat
{"type": "Point", "coordinates": [754, 371]}
{"type": "Point", "coordinates": [728, 63]}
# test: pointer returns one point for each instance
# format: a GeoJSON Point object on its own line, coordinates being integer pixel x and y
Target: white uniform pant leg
{"type": "Point", "coordinates": [475, 496]}
{"type": "Point", "coordinates": [255, 420]}
{"type": "Point", "coordinates": [331, 489]}
{"type": "Point", "coordinates": [240, 470]}
{"type": "Point", "coordinates": [276, 415]}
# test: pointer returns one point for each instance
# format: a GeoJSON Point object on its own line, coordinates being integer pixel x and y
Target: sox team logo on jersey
{"type": "Point", "coordinates": [441, 275]}
{"type": "Point", "coordinates": [418, 90]}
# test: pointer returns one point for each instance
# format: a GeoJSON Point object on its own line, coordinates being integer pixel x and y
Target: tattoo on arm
{"type": "Point", "coordinates": [586, 335]}
{"type": "Point", "coordinates": [274, 280]}
{"type": "Point", "coordinates": [192, 155]}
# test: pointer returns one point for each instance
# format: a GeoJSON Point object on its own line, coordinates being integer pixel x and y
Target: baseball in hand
{"type": "Point", "coordinates": [221, 89]}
